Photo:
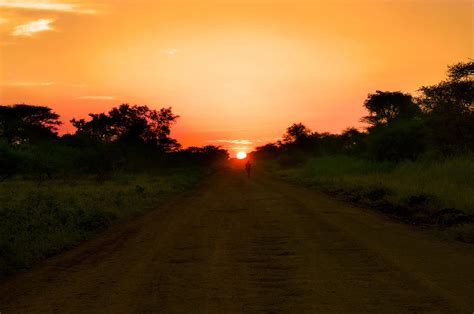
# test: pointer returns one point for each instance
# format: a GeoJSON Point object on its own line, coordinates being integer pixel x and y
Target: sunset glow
{"type": "Point", "coordinates": [237, 72]}
{"type": "Point", "coordinates": [293, 156]}
{"type": "Point", "coordinates": [241, 155]}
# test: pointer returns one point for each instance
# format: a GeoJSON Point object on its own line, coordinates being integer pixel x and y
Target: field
{"type": "Point", "coordinates": [41, 219]}
{"type": "Point", "coordinates": [426, 191]}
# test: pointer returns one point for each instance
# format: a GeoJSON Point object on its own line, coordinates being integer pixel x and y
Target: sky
{"type": "Point", "coordinates": [237, 72]}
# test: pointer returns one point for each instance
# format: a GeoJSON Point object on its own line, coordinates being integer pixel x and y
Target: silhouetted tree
{"type": "Point", "coordinates": [455, 95]}
{"type": "Point", "coordinates": [267, 151]}
{"type": "Point", "coordinates": [450, 109]}
{"type": "Point", "coordinates": [461, 71]}
{"type": "Point", "coordinates": [298, 137]}
{"type": "Point", "coordinates": [131, 125]}
{"type": "Point", "coordinates": [208, 154]}
{"type": "Point", "coordinates": [99, 127]}
{"type": "Point", "coordinates": [296, 132]}
{"type": "Point", "coordinates": [25, 123]}
{"type": "Point", "coordinates": [352, 140]}
{"type": "Point", "coordinates": [385, 107]}
{"type": "Point", "coordinates": [402, 139]}
{"type": "Point", "coordinates": [393, 127]}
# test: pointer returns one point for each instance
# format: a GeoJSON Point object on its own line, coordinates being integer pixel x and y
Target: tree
{"type": "Point", "coordinates": [99, 127]}
{"type": "Point", "coordinates": [209, 154]}
{"type": "Point", "coordinates": [131, 125]}
{"type": "Point", "coordinates": [449, 106]}
{"type": "Point", "coordinates": [402, 139]}
{"type": "Point", "coordinates": [455, 95]}
{"type": "Point", "coordinates": [351, 140]}
{"type": "Point", "coordinates": [385, 107]}
{"type": "Point", "coordinates": [267, 151]}
{"type": "Point", "coordinates": [25, 123]}
{"type": "Point", "coordinates": [296, 132]}
{"type": "Point", "coordinates": [298, 137]}
{"type": "Point", "coordinates": [461, 71]}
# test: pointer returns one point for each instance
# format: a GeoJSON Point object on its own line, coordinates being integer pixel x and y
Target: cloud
{"type": "Point", "coordinates": [29, 84]}
{"type": "Point", "coordinates": [17, 12]}
{"type": "Point", "coordinates": [240, 142]}
{"type": "Point", "coordinates": [46, 5]}
{"type": "Point", "coordinates": [28, 29]}
{"type": "Point", "coordinates": [96, 98]}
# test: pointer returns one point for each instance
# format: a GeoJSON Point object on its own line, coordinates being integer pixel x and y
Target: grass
{"type": "Point", "coordinates": [425, 191]}
{"type": "Point", "coordinates": [37, 221]}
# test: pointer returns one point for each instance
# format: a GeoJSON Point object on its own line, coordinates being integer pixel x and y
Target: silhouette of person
{"type": "Point", "coordinates": [248, 167]}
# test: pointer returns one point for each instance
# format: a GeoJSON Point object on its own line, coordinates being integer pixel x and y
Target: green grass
{"type": "Point", "coordinates": [449, 181]}
{"type": "Point", "coordinates": [37, 221]}
{"type": "Point", "coordinates": [414, 190]}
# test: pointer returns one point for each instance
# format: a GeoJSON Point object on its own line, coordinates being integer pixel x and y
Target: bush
{"type": "Point", "coordinates": [427, 185]}
{"type": "Point", "coordinates": [292, 160]}
{"type": "Point", "coordinates": [9, 162]}
{"type": "Point", "coordinates": [398, 141]}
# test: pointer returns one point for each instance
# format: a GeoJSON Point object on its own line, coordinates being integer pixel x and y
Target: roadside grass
{"type": "Point", "coordinates": [426, 191]}
{"type": "Point", "coordinates": [40, 220]}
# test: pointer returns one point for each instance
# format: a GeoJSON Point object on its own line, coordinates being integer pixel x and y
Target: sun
{"type": "Point", "coordinates": [241, 155]}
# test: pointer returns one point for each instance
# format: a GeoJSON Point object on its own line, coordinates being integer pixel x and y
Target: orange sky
{"type": "Point", "coordinates": [238, 72]}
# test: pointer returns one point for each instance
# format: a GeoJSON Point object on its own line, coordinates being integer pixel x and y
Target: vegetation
{"type": "Point", "coordinates": [445, 183]}
{"type": "Point", "coordinates": [38, 221]}
{"type": "Point", "coordinates": [415, 160]}
{"type": "Point", "coordinates": [58, 190]}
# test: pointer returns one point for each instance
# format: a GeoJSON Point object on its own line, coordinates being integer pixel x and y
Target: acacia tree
{"type": "Point", "coordinates": [450, 109]}
{"type": "Point", "coordinates": [454, 95]}
{"type": "Point", "coordinates": [296, 132]}
{"type": "Point", "coordinates": [385, 107]}
{"type": "Point", "coordinates": [131, 125]}
{"type": "Point", "coordinates": [26, 123]}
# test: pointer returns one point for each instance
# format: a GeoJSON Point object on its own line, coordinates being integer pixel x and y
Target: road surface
{"type": "Point", "coordinates": [251, 246]}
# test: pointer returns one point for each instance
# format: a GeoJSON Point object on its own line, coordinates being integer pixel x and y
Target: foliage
{"type": "Point", "coordinates": [56, 191]}
{"type": "Point", "coordinates": [207, 154]}
{"type": "Point", "coordinates": [38, 221]}
{"type": "Point", "coordinates": [427, 191]}
{"type": "Point", "coordinates": [385, 107]}
{"type": "Point", "coordinates": [398, 141]}
{"type": "Point", "coordinates": [440, 122]}
{"type": "Point", "coordinates": [450, 110]}
{"type": "Point", "coordinates": [414, 160]}
{"type": "Point", "coordinates": [296, 132]}
{"type": "Point", "coordinates": [131, 125]}
{"type": "Point", "coordinates": [24, 123]}
{"type": "Point", "coordinates": [268, 151]}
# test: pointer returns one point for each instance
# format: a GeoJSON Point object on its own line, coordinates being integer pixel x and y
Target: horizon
{"type": "Point", "coordinates": [237, 72]}
{"type": "Point", "coordinates": [236, 156]}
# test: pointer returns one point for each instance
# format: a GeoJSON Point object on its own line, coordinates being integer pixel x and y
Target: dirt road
{"type": "Point", "coordinates": [251, 246]}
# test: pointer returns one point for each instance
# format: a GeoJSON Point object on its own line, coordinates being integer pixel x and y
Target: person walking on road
{"type": "Point", "coordinates": [248, 168]}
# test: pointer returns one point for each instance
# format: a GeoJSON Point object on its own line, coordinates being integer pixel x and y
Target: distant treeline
{"type": "Point", "coordinates": [438, 122]}
{"type": "Point", "coordinates": [127, 138]}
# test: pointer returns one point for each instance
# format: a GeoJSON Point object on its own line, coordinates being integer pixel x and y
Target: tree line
{"type": "Point", "coordinates": [438, 122]}
{"type": "Point", "coordinates": [127, 138]}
